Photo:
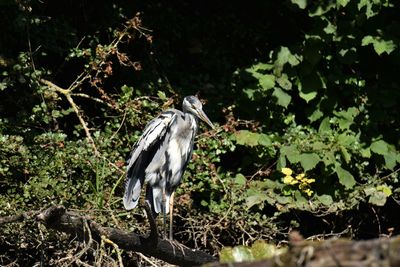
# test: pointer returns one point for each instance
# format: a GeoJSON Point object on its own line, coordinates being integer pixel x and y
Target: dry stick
{"type": "Point", "coordinates": [106, 240]}
{"type": "Point", "coordinates": [67, 94]}
{"type": "Point", "coordinates": [18, 217]}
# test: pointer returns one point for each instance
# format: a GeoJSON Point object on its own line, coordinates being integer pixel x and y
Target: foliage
{"type": "Point", "coordinates": [305, 94]}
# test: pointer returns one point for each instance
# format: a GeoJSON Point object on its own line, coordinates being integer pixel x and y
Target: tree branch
{"type": "Point", "coordinates": [67, 94]}
{"type": "Point", "coordinates": [58, 218]}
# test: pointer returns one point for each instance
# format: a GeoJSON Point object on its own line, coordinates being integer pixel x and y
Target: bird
{"type": "Point", "coordinates": [160, 156]}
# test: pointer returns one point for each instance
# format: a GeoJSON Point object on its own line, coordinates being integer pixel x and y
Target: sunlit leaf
{"type": "Point", "coordinates": [245, 137]}
{"type": "Point", "coordinates": [309, 160]}
{"type": "Point", "coordinates": [380, 46]}
{"type": "Point", "coordinates": [379, 147]}
{"type": "Point", "coordinates": [325, 199]}
{"type": "Point", "coordinates": [302, 4]}
{"type": "Point", "coordinates": [291, 152]}
{"type": "Point", "coordinates": [282, 97]}
{"type": "Point", "coordinates": [284, 82]}
{"type": "Point", "coordinates": [385, 189]}
{"type": "Point", "coordinates": [378, 198]}
{"type": "Point", "coordinates": [267, 81]}
{"type": "Point", "coordinates": [345, 177]}
{"type": "Point", "coordinates": [240, 179]}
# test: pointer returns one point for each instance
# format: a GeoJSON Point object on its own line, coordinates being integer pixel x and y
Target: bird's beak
{"type": "Point", "coordinates": [204, 118]}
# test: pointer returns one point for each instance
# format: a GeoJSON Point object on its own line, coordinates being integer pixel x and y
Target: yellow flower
{"type": "Point", "coordinates": [309, 192]}
{"type": "Point", "coordinates": [287, 171]}
{"type": "Point", "coordinates": [300, 176]}
{"type": "Point", "coordinates": [289, 180]}
{"type": "Point", "coordinates": [309, 181]}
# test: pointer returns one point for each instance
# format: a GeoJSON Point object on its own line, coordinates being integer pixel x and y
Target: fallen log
{"type": "Point", "coordinates": [58, 218]}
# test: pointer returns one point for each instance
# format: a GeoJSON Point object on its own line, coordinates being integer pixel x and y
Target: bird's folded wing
{"type": "Point", "coordinates": [153, 133]}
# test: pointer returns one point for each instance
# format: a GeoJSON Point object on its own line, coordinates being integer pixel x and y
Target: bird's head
{"type": "Point", "coordinates": [193, 105]}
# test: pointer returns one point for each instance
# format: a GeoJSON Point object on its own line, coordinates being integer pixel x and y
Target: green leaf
{"type": "Point", "coordinates": [267, 81]}
{"type": "Point", "coordinates": [380, 46]}
{"type": "Point", "coordinates": [368, 4]}
{"type": "Point", "coordinates": [308, 96]}
{"type": "Point", "coordinates": [247, 138]}
{"type": "Point", "coordinates": [284, 82]}
{"type": "Point", "coordinates": [345, 177]}
{"type": "Point", "coordinates": [316, 115]}
{"type": "Point", "coordinates": [309, 160]}
{"type": "Point", "coordinates": [308, 86]}
{"type": "Point", "coordinates": [325, 199]}
{"type": "Point", "coordinates": [346, 139]}
{"type": "Point", "coordinates": [283, 199]}
{"type": "Point", "coordinates": [249, 93]}
{"type": "Point", "coordinates": [346, 117]}
{"type": "Point", "coordinates": [378, 198]}
{"type": "Point", "coordinates": [255, 198]}
{"type": "Point", "coordinates": [284, 56]}
{"type": "Point", "coordinates": [380, 147]}
{"type": "Point", "coordinates": [345, 154]}
{"type": "Point", "coordinates": [390, 160]}
{"type": "Point", "coordinates": [325, 125]}
{"type": "Point", "coordinates": [264, 140]}
{"type": "Point", "coordinates": [283, 98]}
{"type": "Point", "coordinates": [385, 189]}
{"type": "Point", "coordinates": [291, 152]}
{"type": "Point", "coordinates": [302, 4]}
{"type": "Point", "coordinates": [342, 3]}
{"type": "Point", "coordinates": [240, 179]}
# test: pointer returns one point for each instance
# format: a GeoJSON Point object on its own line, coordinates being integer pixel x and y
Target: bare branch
{"type": "Point", "coordinates": [67, 94]}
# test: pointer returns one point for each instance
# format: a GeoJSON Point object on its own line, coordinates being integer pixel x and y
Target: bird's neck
{"type": "Point", "coordinates": [194, 121]}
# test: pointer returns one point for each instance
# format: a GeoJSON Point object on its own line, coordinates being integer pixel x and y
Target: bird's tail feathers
{"type": "Point", "coordinates": [132, 192]}
{"type": "Point", "coordinates": [154, 196]}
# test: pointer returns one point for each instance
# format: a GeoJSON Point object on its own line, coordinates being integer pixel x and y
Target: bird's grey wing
{"type": "Point", "coordinates": [142, 153]}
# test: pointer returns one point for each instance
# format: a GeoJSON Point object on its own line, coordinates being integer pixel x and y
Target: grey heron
{"type": "Point", "coordinates": [160, 156]}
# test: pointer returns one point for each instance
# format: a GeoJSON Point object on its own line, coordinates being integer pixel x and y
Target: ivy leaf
{"type": "Point", "coordinates": [345, 177]}
{"type": "Point", "coordinates": [309, 160]}
{"type": "Point", "coordinates": [283, 98]}
{"type": "Point", "coordinates": [380, 147]}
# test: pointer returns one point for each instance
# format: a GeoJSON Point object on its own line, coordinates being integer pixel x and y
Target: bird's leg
{"type": "Point", "coordinates": [164, 211]}
{"type": "Point", "coordinates": [171, 210]}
